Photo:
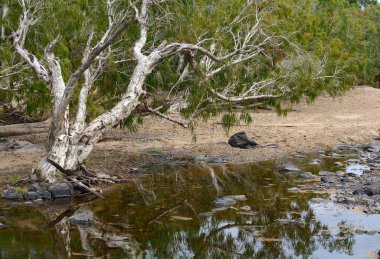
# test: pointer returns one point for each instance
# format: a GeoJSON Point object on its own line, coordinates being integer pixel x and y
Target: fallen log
{"type": "Point", "coordinates": [24, 128]}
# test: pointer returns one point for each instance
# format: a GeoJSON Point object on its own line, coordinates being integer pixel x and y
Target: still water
{"type": "Point", "coordinates": [170, 212]}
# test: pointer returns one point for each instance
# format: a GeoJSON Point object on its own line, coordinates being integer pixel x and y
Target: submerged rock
{"type": "Point", "coordinates": [236, 197]}
{"type": "Point", "coordinates": [289, 168]}
{"type": "Point", "coordinates": [224, 202]}
{"type": "Point", "coordinates": [307, 176]}
{"type": "Point", "coordinates": [240, 140]}
{"type": "Point", "coordinates": [12, 194]}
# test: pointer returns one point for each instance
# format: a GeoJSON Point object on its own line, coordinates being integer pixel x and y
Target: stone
{"type": "Point", "coordinates": [373, 189]}
{"type": "Point", "coordinates": [246, 208]}
{"type": "Point", "coordinates": [32, 196]}
{"type": "Point", "coordinates": [307, 176]}
{"type": "Point", "coordinates": [40, 190]}
{"type": "Point", "coordinates": [12, 194]}
{"type": "Point", "coordinates": [340, 173]}
{"type": "Point", "coordinates": [359, 191]}
{"type": "Point", "coordinates": [60, 189]}
{"type": "Point", "coordinates": [240, 140]}
{"type": "Point", "coordinates": [289, 168]}
{"type": "Point", "coordinates": [325, 173]}
{"type": "Point", "coordinates": [334, 155]}
{"type": "Point", "coordinates": [338, 164]}
{"type": "Point", "coordinates": [224, 202]}
{"type": "Point", "coordinates": [315, 162]}
{"type": "Point", "coordinates": [236, 197]}
{"type": "Point", "coordinates": [328, 179]}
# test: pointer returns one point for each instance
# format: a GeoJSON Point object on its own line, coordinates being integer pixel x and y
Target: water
{"type": "Point", "coordinates": [170, 213]}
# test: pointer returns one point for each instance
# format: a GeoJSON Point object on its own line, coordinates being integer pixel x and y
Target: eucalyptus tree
{"type": "Point", "coordinates": [209, 55]}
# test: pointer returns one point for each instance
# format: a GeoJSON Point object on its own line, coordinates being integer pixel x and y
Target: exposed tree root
{"type": "Point", "coordinates": [82, 178]}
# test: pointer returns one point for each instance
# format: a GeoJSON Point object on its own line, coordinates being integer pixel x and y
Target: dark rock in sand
{"type": "Point", "coordinates": [240, 140]}
{"type": "Point", "coordinates": [60, 189]}
{"type": "Point", "coordinates": [12, 194]}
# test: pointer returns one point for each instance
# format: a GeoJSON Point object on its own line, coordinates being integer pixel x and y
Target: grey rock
{"type": "Point", "coordinates": [308, 176]}
{"type": "Point", "coordinates": [289, 168]}
{"type": "Point", "coordinates": [240, 140]}
{"type": "Point", "coordinates": [339, 173]}
{"type": "Point", "coordinates": [315, 162]}
{"type": "Point", "coordinates": [334, 155]}
{"type": "Point", "coordinates": [224, 202]}
{"type": "Point", "coordinates": [344, 148]}
{"type": "Point", "coordinates": [236, 197]}
{"type": "Point", "coordinates": [12, 194]}
{"type": "Point", "coordinates": [338, 163]}
{"type": "Point", "coordinates": [328, 179]}
{"type": "Point", "coordinates": [32, 196]}
{"type": "Point", "coordinates": [325, 173]}
{"type": "Point", "coordinates": [246, 208]}
{"type": "Point", "coordinates": [359, 191]}
{"type": "Point", "coordinates": [40, 190]}
{"type": "Point", "coordinates": [373, 189]}
{"type": "Point", "coordinates": [60, 189]}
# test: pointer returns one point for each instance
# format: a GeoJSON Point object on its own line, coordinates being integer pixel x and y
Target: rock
{"type": "Point", "coordinates": [240, 140]}
{"type": "Point", "coordinates": [328, 179]}
{"type": "Point", "coordinates": [12, 194]}
{"type": "Point", "coordinates": [15, 145]}
{"type": "Point", "coordinates": [373, 189]}
{"type": "Point", "coordinates": [325, 173]}
{"type": "Point", "coordinates": [293, 189]}
{"type": "Point", "coordinates": [359, 191]}
{"type": "Point", "coordinates": [246, 208]}
{"type": "Point", "coordinates": [32, 196]}
{"type": "Point", "coordinates": [224, 202]}
{"type": "Point", "coordinates": [236, 197]}
{"type": "Point", "coordinates": [288, 168]}
{"type": "Point", "coordinates": [307, 176]}
{"type": "Point", "coordinates": [334, 155]}
{"type": "Point", "coordinates": [40, 190]}
{"type": "Point", "coordinates": [315, 162]}
{"type": "Point", "coordinates": [344, 148]}
{"type": "Point", "coordinates": [340, 173]}
{"type": "Point", "coordinates": [60, 189]}
{"type": "Point", "coordinates": [338, 163]}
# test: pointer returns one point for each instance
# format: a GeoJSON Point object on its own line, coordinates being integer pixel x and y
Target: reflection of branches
{"type": "Point", "coordinates": [344, 241]}
{"type": "Point", "coordinates": [173, 208]}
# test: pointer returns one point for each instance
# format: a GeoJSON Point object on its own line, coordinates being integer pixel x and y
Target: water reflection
{"type": "Point", "coordinates": [170, 213]}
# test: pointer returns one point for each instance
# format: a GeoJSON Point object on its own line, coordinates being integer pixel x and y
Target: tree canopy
{"type": "Point", "coordinates": [318, 46]}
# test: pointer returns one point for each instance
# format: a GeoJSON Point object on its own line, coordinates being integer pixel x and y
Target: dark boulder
{"type": "Point", "coordinates": [240, 140]}
{"type": "Point", "coordinates": [60, 189]}
{"type": "Point", "coordinates": [12, 194]}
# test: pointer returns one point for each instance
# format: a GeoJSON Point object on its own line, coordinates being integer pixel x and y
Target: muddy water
{"type": "Point", "coordinates": [171, 212]}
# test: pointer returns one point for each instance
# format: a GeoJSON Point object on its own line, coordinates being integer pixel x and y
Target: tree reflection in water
{"type": "Point", "coordinates": [125, 224]}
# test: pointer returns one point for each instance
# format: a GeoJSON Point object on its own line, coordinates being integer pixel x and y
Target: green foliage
{"type": "Point", "coordinates": [340, 34]}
